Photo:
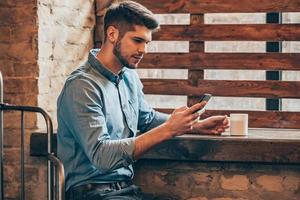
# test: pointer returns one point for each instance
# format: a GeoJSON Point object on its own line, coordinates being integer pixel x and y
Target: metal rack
{"type": "Point", "coordinates": [56, 179]}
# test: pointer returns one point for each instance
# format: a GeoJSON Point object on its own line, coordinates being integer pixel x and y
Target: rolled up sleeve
{"type": "Point", "coordinates": [83, 113]}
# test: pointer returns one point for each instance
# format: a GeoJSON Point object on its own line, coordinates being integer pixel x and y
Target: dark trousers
{"type": "Point", "coordinates": [119, 190]}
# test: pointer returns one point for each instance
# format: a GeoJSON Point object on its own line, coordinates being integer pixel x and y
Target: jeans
{"type": "Point", "coordinates": [107, 192]}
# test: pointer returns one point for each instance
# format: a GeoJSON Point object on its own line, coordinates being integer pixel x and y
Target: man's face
{"type": "Point", "coordinates": [130, 49]}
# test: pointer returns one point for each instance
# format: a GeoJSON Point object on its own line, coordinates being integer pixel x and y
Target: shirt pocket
{"type": "Point", "coordinates": [133, 107]}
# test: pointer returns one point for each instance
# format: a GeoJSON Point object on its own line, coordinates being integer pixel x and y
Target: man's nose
{"type": "Point", "coordinates": [142, 48]}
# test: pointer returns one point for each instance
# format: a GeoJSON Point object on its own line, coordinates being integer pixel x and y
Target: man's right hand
{"type": "Point", "coordinates": [182, 119]}
{"type": "Point", "coordinates": [180, 122]}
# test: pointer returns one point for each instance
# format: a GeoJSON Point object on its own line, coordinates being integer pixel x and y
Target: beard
{"type": "Point", "coordinates": [117, 52]}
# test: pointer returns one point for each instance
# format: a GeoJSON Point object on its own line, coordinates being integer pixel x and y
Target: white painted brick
{"type": "Point", "coordinates": [79, 36]}
{"type": "Point", "coordinates": [65, 16]}
{"type": "Point", "coordinates": [73, 4]}
{"type": "Point", "coordinates": [83, 17]}
{"type": "Point", "coordinates": [53, 68]}
{"type": "Point", "coordinates": [56, 84]}
{"type": "Point", "coordinates": [46, 33]}
{"type": "Point", "coordinates": [44, 85]}
{"type": "Point", "coordinates": [48, 2]}
{"type": "Point", "coordinates": [62, 34]}
{"type": "Point", "coordinates": [45, 67]}
{"type": "Point", "coordinates": [86, 17]}
{"type": "Point", "coordinates": [45, 14]}
{"type": "Point", "coordinates": [45, 50]}
{"type": "Point", "coordinates": [65, 52]}
{"type": "Point", "coordinates": [48, 101]}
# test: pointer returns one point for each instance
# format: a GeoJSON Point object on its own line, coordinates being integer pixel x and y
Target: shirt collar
{"type": "Point", "coordinates": [94, 62]}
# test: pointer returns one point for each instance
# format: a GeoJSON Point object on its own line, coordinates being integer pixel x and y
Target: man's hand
{"type": "Point", "coordinates": [180, 122]}
{"type": "Point", "coordinates": [214, 125]}
{"type": "Point", "coordinates": [183, 119]}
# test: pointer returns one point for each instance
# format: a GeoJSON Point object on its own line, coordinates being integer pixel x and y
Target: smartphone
{"type": "Point", "coordinates": [205, 97]}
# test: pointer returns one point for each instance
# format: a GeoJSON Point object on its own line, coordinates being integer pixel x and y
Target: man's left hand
{"type": "Point", "coordinates": [214, 125]}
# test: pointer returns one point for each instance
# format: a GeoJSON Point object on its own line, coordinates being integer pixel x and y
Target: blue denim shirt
{"type": "Point", "coordinates": [99, 114]}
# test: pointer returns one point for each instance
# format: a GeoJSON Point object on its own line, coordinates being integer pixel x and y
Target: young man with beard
{"type": "Point", "coordinates": [102, 107]}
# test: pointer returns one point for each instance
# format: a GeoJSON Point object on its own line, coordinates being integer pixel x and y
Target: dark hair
{"type": "Point", "coordinates": [124, 15]}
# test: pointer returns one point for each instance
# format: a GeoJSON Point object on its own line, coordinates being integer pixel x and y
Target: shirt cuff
{"type": "Point", "coordinates": [128, 151]}
{"type": "Point", "coordinates": [158, 119]}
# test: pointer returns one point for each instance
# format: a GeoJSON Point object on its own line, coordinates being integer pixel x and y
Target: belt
{"type": "Point", "coordinates": [100, 187]}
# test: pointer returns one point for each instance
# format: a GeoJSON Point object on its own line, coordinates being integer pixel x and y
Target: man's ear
{"type": "Point", "coordinates": [112, 34]}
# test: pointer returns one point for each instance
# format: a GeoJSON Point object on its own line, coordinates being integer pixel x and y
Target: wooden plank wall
{"type": "Point", "coordinates": [197, 60]}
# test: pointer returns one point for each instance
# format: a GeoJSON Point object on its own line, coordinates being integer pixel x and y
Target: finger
{"type": "Point", "coordinates": [219, 133]}
{"type": "Point", "coordinates": [183, 108]}
{"type": "Point", "coordinates": [220, 118]}
{"type": "Point", "coordinates": [215, 131]}
{"type": "Point", "coordinates": [221, 130]}
{"type": "Point", "coordinates": [193, 124]}
{"type": "Point", "coordinates": [188, 128]}
{"type": "Point", "coordinates": [225, 127]}
{"type": "Point", "coordinates": [196, 107]}
{"type": "Point", "coordinates": [195, 116]}
{"type": "Point", "coordinates": [226, 120]}
{"type": "Point", "coordinates": [191, 128]}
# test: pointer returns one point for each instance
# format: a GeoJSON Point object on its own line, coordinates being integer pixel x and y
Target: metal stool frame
{"type": "Point", "coordinates": [55, 174]}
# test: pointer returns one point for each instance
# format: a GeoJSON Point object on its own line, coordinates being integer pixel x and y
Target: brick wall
{"type": "Point", "coordinates": [64, 39]}
{"type": "Point", "coordinates": [41, 41]}
{"type": "Point", "coordinates": [18, 64]}
{"type": "Point", "coordinates": [218, 181]}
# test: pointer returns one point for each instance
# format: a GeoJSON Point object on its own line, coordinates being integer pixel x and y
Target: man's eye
{"type": "Point", "coordinates": [137, 40]}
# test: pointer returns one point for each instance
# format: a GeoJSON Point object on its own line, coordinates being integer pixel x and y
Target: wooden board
{"type": "Point", "coordinates": [234, 32]}
{"type": "Point", "coordinates": [253, 148]}
{"type": "Point", "coordinates": [237, 32]}
{"type": "Point", "coordinates": [259, 119]}
{"type": "Point", "coordinates": [220, 6]}
{"type": "Point", "coordinates": [258, 61]}
{"type": "Point", "coordinates": [268, 89]}
{"type": "Point", "coordinates": [261, 145]}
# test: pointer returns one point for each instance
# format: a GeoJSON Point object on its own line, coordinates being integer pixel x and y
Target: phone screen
{"type": "Point", "coordinates": [205, 97]}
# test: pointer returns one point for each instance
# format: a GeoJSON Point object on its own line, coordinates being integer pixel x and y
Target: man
{"type": "Point", "coordinates": [102, 107]}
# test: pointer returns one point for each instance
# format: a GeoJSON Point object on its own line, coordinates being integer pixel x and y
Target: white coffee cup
{"type": "Point", "coordinates": [238, 124]}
